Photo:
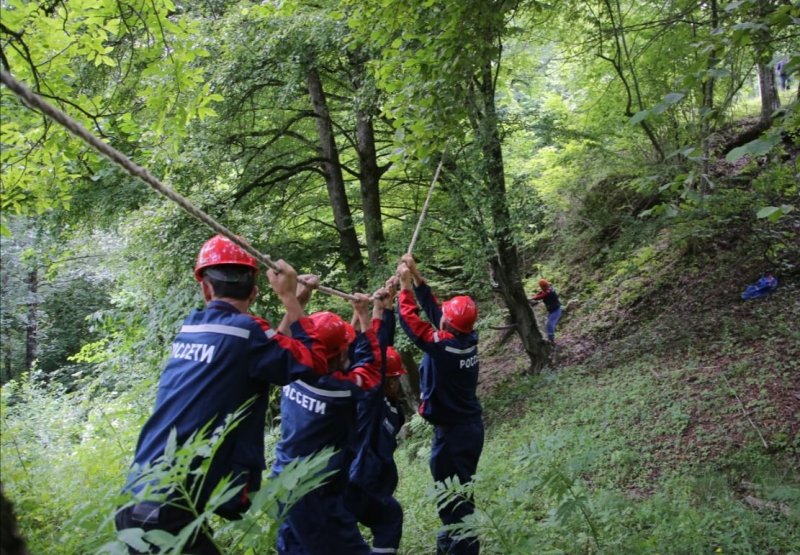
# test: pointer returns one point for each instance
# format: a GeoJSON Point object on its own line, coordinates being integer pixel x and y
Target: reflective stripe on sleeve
{"type": "Point", "coordinates": [460, 351]}
{"type": "Point", "coordinates": [217, 328]}
{"type": "Point", "coordinates": [324, 392]}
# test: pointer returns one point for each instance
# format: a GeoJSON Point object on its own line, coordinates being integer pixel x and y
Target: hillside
{"type": "Point", "coordinates": [668, 422]}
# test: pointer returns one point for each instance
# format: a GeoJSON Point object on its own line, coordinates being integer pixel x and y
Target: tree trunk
{"type": "Point", "coordinates": [32, 326]}
{"type": "Point", "coordinates": [348, 241]}
{"type": "Point", "coordinates": [370, 176]}
{"type": "Point", "coordinates": [770, 101]}
{"type": "Point", "coordinates": [505, 262]}
{"type": "Point", "coordinates": [369, 171]}
{"type": "Point", "coordinates": [11, 541]}
{"type": "Point", "coordinates": [708, 95]}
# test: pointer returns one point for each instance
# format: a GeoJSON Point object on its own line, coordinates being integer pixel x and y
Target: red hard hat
{"type": "Point", "coordinates": [394, 364]}
{"type": "Point", "coordinates": [544, 284]}
{"type": "Point", "coordinates": [350, 332]}
{"type": "Point", "coordinates": [221, 250]}
{"type": "Point", "coordinates": [332, 331]}
{"type": "Point", "coordinates": [460, 312]}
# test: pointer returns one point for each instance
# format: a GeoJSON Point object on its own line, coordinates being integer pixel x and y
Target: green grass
{"type": "Point", "coordinates": [604, 464]}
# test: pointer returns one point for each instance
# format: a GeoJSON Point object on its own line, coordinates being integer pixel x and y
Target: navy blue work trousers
{"type": "Point", "coordinates": [382, 514]}
{"type": "Point", "coordinates": [319, 524]}
{"type": "Point", "coordinates": [455, 452]}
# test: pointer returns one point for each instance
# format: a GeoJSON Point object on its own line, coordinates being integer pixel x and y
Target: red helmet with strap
{"type": "Point", "coordinates": [220, 250]}
{"type": "Point", "coordinates": [460, 312]}
{"type": "Point", "coordinates": [332, 331]}
{"type": "Point", "coordinates": [394, 364]}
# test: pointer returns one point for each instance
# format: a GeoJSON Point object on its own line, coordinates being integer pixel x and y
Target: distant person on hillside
{"type": "Point", "coordinates": [221, 358]}
{"type": "Point", "coordinates": [549, 296]}
{"type": "Point", "coordinates": [780, 69]}
{"type": "Point", "coordinates": [448, 390]}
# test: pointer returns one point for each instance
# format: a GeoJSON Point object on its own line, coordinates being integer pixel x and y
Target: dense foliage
{"type": "Point", "coordinates": [626, 150]}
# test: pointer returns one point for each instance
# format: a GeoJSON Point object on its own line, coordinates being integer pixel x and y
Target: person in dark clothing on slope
{"type": "Point", "coordinates": [373, 472]}
{"type": "Point", "coordinates": [549, 296]}
{"type": "Point", "coordinates": [222, 358]}
{"type": "Point", "coordinates": [320, 413]}
{"type": "Point", "coordinates": [448, 391]}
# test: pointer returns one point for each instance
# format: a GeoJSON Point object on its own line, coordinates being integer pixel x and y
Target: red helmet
{"type": "Point", "coordinates": [460, 312]}
{"type": "Point", "coordinates": [221, 250]}
{"type": "Point", "coordinates": [332, 331]}
{"type": "Point", "coordinates": [394, 364]}
{"type": "Point", "coordinates": [350, 332]}
{"type": "Point", "coordinates": [544, 284]}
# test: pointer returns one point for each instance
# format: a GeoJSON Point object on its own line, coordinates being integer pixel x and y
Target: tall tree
{"type": "Point", "coordinates": [440, 64]}
{"type": "Point", "coordinates": [370, 171]}
{"type": "Point", "coordinates": [351, 253]}
{"type": "Point", "coordinates": [299, 107]}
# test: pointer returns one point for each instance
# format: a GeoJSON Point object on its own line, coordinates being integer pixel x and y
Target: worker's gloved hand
{"type": "Point", "coordinates": [391, 285]}
{"type": "Point", "coordinates": [404, 275]}
{"type": "Point", "coordinates": [283, 280]}
{"type": "Point", "coordinates": [306, 283]}
{"type": "Point", "coordinates": [409, 261]}
{"type": "Point", "coordinates": [360, 304]}
{"type": "Point", "coordinates": [379, 296]}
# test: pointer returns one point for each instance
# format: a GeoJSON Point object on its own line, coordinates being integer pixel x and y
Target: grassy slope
{"type": "Point", "coordinates": [670, 423]}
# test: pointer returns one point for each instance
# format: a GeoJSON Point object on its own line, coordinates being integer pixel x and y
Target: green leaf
{"type": "Point", "coordinates": [774, 213]}
{"type": "Point", "coordinates": [767, 211]}
{"type": "Point", "coordinates": [133, 538]}
{"type": "Point", "coordinates": [161, 538]}
{"type": "Point", "coordinates": [719, 73]}
{"type": "Point", "coordinates": [734, 5]}
{"type": "Point", "coordinates": [758, 147]}
{"type": "Point", "coordinates": [673, 98]}
{"type": "Point", "coordinates": [638, 117]}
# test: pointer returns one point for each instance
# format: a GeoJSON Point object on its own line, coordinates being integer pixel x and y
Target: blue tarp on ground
{"type": "Point", "coordinates": [764, 286]}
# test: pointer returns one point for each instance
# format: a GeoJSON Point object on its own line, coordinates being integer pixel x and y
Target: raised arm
{"type": "Point", "coordinates": [420, 332]}
{"type": "Point", "coordinates": [365, 371]}
{"type": "Point", "coordinates": [285, 285]}
{"type": "Point", "coordinates": [295, 349]}
{"type": "Point", "coordinates": [425, 297]}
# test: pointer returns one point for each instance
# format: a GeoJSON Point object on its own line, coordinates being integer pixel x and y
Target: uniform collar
{"type": "Point", "coordinates": [216, 304]}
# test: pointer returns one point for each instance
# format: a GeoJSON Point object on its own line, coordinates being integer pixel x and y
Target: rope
{"type": "Point", "coordinates": [34, 101]}
{"type": "Point", "coordinates": [425, 207]}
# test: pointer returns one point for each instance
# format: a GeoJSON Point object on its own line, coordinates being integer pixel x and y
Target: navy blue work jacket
{"type": "Point", "coordinates": [449, 368]}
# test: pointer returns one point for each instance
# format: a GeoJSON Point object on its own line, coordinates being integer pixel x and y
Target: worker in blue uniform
{"type": "Point", "coordinates": [373, 472]}
{"type": "Point", "coordinates": [448, 397]}
{"type": "Point", "coordinates": [320, 413]}
{"type": "Point", "coordinates": [221, 359]}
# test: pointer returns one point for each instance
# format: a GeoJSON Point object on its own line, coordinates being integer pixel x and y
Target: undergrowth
{"type": "Point", "coordinates": [671, 424]}
{"type": "Point", "coordinates": [606, 464]}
